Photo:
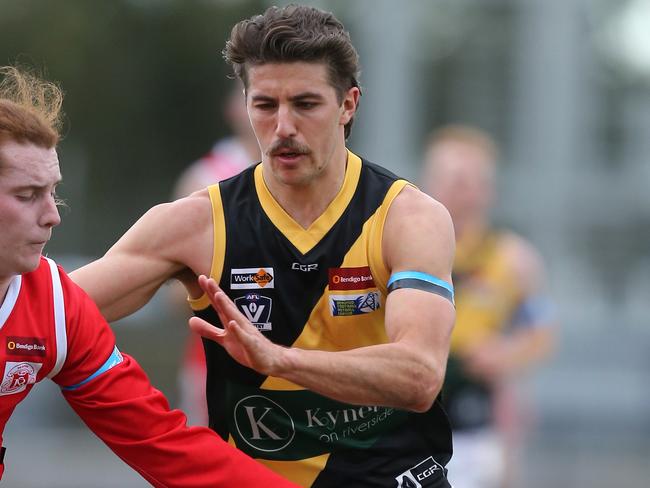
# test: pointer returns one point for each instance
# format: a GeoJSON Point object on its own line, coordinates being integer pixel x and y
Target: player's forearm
{"type": "Point", "coordinates": [391, 375]}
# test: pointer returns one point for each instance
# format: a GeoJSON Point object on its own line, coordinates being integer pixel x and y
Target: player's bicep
{"type": "Point", "coordinates": [418, 236]}
{"type": "Point", "coordinates": [418, 246]}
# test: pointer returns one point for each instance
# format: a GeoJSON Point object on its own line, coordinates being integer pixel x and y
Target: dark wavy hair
{"type": "Point", "coordinates": [291, 34]}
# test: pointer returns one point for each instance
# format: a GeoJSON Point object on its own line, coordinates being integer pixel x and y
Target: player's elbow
{"type": "Point", "coordinates": [426, 387]}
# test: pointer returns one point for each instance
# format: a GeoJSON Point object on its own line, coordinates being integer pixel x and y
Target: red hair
{"type": "Point", "coordinates": [30, 108]}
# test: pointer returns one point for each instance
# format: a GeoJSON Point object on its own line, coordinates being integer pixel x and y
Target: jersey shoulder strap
{"type": "Point", "coordinates": [59, 319]}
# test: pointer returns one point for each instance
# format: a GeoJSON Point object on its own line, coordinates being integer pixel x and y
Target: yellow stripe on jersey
{"type": "Point", "coordinates": [305, 239]}
{"type": "Point", "coordinates": [219, 245]}
{"type": "Point", "coordinates": [376, 235]}
{"type": "Point", "coordinates": [303, 473]}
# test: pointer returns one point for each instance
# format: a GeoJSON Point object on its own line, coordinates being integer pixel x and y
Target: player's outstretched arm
{"type": "Point", "coordinates": [113, 396]}
{"type": "Point", "coordinates": [163, 243]}
{"type": "Point", "coordinates": [407, 372]}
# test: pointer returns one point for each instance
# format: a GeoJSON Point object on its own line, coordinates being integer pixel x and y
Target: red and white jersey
{"type": "Point", "coordinates": [36, 326]}
{"type": "Point", "coordinates": [50, 328]}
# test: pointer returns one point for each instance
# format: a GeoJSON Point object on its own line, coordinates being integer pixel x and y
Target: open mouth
{"type": "Point", "coordinates": [288, 150]}
{"type": "Point", "coordinates": [288, 155]}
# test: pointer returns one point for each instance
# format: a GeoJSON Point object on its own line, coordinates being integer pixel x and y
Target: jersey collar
{"type": "Point", "coordinates": [10, 299]}
{"type": "Point", "coordinates": [305, 239]}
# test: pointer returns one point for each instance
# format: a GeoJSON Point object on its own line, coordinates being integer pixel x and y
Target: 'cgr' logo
{"type": "Point", "coordinates": [421, 475]}
{"type": "Point", "coordinates": [263, 424]}
{"type": "Point", "coordinates": [304, 267]}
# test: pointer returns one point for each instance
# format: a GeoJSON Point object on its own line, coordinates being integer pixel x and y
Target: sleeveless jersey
{"type": "Point", "coordinates": [318, 288]}
{"type": "Point", "coordinates": [487, 299]}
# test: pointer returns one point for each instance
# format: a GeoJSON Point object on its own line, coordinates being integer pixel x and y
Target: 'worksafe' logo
{"type": "Point", "coordinates": [263, 424]}
{"type": "Point", "coordinates": [251, 278]}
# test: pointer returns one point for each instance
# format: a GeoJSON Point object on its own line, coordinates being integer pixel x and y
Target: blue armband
{"type": "Point", "coordinates": [113, 360]}
{"type": "Point", "coordinates": [421, 281]}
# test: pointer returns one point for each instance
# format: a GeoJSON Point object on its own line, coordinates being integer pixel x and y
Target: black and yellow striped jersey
{"type": "Point", "coordinates": [318, 288]}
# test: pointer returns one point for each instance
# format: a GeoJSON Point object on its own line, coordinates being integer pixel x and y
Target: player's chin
{"type": "Point", "coordinates": [295, 177]}
{"type": "Point", "coordinates": [29, 262]}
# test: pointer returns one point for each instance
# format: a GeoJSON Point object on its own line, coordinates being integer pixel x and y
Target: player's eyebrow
{"type": "Point", "coordinates": [36, 186]}
{"type": "Point", "coordinates": [304, 95]}
{"type": "Point", "coordinates": [297, 97]}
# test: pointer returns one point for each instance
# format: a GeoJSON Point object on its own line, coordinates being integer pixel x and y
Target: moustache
{"type": "Point", "coordinates": [287, 145]}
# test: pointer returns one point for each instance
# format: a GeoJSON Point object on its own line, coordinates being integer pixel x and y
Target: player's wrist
{"type": "Point", "coordinates": [285, 360]}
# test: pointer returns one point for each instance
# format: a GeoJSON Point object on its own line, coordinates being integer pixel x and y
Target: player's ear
{"type": "Point", "coordinates": [349, 105]}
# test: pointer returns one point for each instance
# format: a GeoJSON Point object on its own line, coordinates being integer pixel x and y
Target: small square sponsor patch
{"type": "Point", "coordinates": [257, 309]}
{"type": "Point", "coordinates": [17, 376]}
{"type": "Point", "coordinates": [421, 475]}
{"type": "Point", "coordinates": [251, 278]}
{"type": "Point", "coordinates": [354, 304]}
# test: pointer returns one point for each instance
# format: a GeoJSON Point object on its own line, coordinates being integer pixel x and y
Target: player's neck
{"type": "Point", "coordinates": [305, 203]}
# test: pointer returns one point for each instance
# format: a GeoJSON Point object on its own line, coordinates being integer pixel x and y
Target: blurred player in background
{"type": "Point", "coordinates": [227, 157]}
{"type": "Point", "coordinates": [504, 322]}
{"type": "Point", "coordinates": [49, 328]}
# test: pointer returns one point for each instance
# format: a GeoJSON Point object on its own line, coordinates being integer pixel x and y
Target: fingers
{"type": "Point", "coordinates": [212, 290]}
{"type": "Point", "coordinates": [209, 285]}
{"type": "Point", "coordinates": [229, 308]}
{"type": "Point", "coordinates": [224, 306]}
{"type": "Point", "coordinates": [206, 329]}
